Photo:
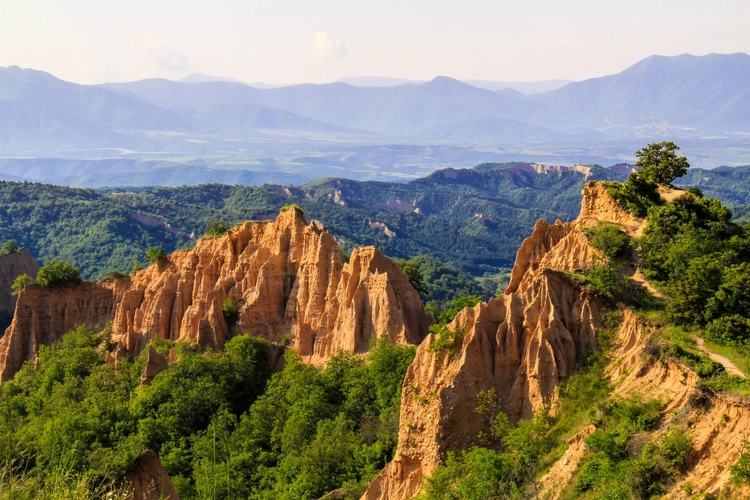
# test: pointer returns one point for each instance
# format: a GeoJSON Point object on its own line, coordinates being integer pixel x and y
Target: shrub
{"type": "Point", "coordinates": [729, 330]}
{"type": "Point", "coordinates": [674, 450]}
{"type": "Point", "coordinates": [155, 254]}
{"type": "Point", "coordinates": [216, 228]}
{"type": "Point", "coordinates": [445, 314]}
{"type": "Point", "coordinates": [292, 206]}
{"type": "Point", "coordinates": [412, 272]}
{"type": "Point", "coordinates": [20, 283]}
{"type": "Point", "coordinates": [137, 266]}
{"type": "Point", "coordinates": [8, 247]}
{"type": "Point", "coordinates": [741, 469]}
{"type": "Point", "coordinates": [58, 273]}
{"type": "Point", "coordinates": [113, 275]}
{"type": "Point", "coordinates": [231, 311]}
{"type": "Point", "coordinates": [610, 240]}
{"type": "Point", "coordinates": [447, 339]}
{"type": "Point", "coordinates": [633, 196]}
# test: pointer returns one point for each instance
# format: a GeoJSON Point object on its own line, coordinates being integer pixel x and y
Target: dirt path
{"type": "Point", "coordinates": [730, 367]}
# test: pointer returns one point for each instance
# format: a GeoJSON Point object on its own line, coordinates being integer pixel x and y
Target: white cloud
{"type": "Point", "coordinates": [159, 54]}
{"type": "Point", "coordinates": [328, 48]}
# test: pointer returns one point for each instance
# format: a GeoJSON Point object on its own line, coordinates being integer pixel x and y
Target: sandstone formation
{"type": "Point", "coordinates": [716, 433]}
{"type": "Point", "coordinates": [155, 364]}
{"type": "Point", "coordinates": [13, 265]}
{"type": "Point", "coordinates": [521, 346]}
{"type": "Point", "coordinates": [598, 206]}
{"type": "Point", "coordinates": [287, 278]}
{"type": "Point", "coordinates": [43, 314]}
{"type": "Point", "coordinates": [147, 479]}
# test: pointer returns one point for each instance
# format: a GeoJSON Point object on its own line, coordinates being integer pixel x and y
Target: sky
{"type": "Point", "coordinates": [295, 41]}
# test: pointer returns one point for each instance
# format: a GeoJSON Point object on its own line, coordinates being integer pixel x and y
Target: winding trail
{"type": "Point", "coordinates": [730, 367]}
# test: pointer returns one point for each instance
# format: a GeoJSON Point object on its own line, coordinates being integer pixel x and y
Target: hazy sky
{"type": "Point", "coordinates": [286, 41]}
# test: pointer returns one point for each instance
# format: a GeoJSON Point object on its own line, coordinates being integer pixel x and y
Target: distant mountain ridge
{"type": "Point", "coordinates": [323, 127]}
{"type": "Point", "coordinates": [687, 93]}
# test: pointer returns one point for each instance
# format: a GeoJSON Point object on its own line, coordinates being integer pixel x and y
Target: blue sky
{"type": "Point", "coordinates": [289, 41]}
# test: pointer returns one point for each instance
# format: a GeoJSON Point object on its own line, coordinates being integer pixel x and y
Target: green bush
{"type": "Point", "coordinates": [137, 266]}
{"type": "Point", "coordinates": [610, 240]}
{"type": "Point", "coordinates": [20, 283]}
{"type": "Point", "coordinates": [216, 228]}
{"type": "Point", "coordinates": [412, 272]}
{"type": "Point", "coordinates": [231, 311]}
{"type": "Point", "coordinates": [155, 254]}
{"type": "Point", "coordinates": [484, 473]}
{"type": "Point", "coordinates": [58, 273]}
{"type": "Point", "coordinates": [740, 470]}
{"type": "Point", "coordinates": [9, 246]}
{"type": "Point", "coordinates": [446, 314]}
{"type": "Point", "coordinates": [634, 196]}
{"type": "Point", "coordinates": [291, 206]}
{"type": "Point", "coordinates": [446, 339]}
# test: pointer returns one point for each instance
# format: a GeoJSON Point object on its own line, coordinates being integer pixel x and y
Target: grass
{"type": "Point", "coordinates": [740, 359]}
{"type": "Point", "coordinates": [58, 483]}
{"type": "Point", "coordinates": [679, 342]}
{"type": "Point", "coordinates": [581, 392]}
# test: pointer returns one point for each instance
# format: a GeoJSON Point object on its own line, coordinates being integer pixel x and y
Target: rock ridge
{"type": "Point", "coordinates": [288, 280]}
{"type": "Point", "coordinates": [520, 345]}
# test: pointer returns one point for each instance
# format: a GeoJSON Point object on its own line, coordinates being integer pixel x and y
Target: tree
{"type": "Point", "coordinates": [411, 270]}
{"type": "Point", "coordinates": [58, 273]}
{"type": "Point", "coordinates": [8, 247]}
{"type": "Point", "coordinates": [659, 164]}
{"type": "Point", "coordinates": [137, 266]}
{"type": "Point", "coordinates": [20, 283]}
{"type": "Point", "coordinates": [155, 254]}
{"type": "Point", "coordinates": [216, 228]}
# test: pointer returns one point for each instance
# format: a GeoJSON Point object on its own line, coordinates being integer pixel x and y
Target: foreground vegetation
{"type": "Point", "coordinates": [222, 425]}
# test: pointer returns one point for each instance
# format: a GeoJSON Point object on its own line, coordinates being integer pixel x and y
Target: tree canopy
{"type": "Point", "coordinates": [659, 164]}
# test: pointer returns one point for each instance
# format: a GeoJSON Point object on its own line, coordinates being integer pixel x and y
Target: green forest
{"type": "Point", "coordinates": [222, 424]}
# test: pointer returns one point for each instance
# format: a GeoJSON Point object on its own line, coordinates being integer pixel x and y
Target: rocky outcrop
{"type": "Point", "coordinates": [598, 206]}
{"type": "Point", "coordinates": [288, 280]}
{"type": "Point", "coordinates": [156, 363]}
{"type": "Point", "coordinates": [43, 314]}
{"type": "Point", "coordinates": [13, 265]}
{"type": "Point", "coordinates": [147, 479]}
{"type": "Point", "coordinates": [716, 433]}
{"type": "Point", "coordinates": [520, 345]}
{"type": "Point", "coordinates": [560, 474]}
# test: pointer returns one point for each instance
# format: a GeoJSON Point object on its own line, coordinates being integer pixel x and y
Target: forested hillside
{"type": "Point", "coordinates": [473, 218]}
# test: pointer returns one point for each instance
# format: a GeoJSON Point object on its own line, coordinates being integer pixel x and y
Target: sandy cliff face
{"type": "Point", "coordinates": [43, 314]}
{"type": "Point", "coordinates": [13, 265]}
{"type": "Point", "coordinates": [598, 206]}
{"type": "Point", "coordinates": [287, 277]}
{"type": "Point", "coordinates": [716, 432]}
{"type": "Point", "coordinates": [520, 345]}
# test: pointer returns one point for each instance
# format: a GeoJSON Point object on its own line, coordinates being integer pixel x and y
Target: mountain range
{"type": "Point", "coordinates": [316, 130]}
